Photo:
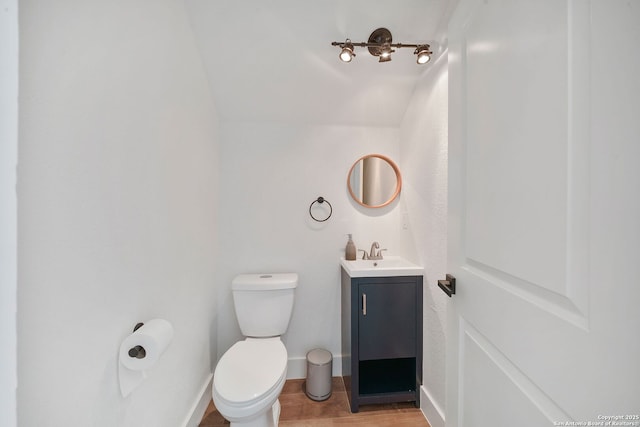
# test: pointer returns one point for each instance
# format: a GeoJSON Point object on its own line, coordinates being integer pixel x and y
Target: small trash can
{"type": "Point", "coordinates": [318, 385]}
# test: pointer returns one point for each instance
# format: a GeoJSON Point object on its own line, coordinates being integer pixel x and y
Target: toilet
{"type": "Point", "coordinates": [249, 377]}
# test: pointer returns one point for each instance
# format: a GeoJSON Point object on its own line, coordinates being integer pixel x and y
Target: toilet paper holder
{"type": "Point", "coordinates": [138, 351]}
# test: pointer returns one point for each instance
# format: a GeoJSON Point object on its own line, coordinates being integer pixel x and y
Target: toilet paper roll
{"type": "Point", "coordinates": [129, 380]}
{"type": "Point", "coordinates": [154, 337]}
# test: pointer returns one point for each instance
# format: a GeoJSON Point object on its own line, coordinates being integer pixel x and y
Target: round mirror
{"type": "Point", "coordinates": [374, 181]}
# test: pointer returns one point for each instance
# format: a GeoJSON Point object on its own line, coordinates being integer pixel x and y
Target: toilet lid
{"type": "Point", "coordinates": [250, 369]}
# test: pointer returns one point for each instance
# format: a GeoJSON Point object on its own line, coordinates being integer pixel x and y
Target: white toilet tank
{"type": "Point", "coordinates": [264, 303]}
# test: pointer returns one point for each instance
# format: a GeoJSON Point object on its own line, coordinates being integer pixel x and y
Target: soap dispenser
{"type": "Point", "coordinates": [350, 250]}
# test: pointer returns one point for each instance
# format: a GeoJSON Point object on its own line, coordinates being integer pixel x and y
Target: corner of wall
{"type": "Point", "coordinates": [424, 142]}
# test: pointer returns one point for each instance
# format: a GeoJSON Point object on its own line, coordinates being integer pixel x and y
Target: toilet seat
{"type": "Point", "coordinates": [250, 370]}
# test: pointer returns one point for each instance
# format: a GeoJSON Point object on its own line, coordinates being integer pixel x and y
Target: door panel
{"type": "Point", "coordinates": [527, 155]}
{"type": "Point", "coordinates": [522, 137]}
{"type": "Point", "coordinates": [508, 400]}
{"type": "Point", "coordinates": [529, 330]}
{"type": "Point", "coordinates": [390, 319]}
{"type": "Point", "coordinates": [514, 396]}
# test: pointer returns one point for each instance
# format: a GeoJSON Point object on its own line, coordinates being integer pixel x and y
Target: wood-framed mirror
{"type": "Point", "coordinates": [374, 181]}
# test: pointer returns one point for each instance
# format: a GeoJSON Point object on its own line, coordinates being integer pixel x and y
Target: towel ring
{"type": "Point", "coordinates": [320, 200]}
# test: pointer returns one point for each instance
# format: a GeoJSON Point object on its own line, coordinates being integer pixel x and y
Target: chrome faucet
{"type": "Point", "coordinates": [373, 254]}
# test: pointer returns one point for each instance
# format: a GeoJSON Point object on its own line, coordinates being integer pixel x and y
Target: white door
{"type": "Point", "coordinates": [544, 225]}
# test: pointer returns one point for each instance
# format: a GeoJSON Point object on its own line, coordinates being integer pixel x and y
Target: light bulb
{"type": "Point", "coordinates": [346, 55]}
{"type": "Point", "coordinates": [423, 54]}
{"type": "Point", "coordinates": [423, 58]}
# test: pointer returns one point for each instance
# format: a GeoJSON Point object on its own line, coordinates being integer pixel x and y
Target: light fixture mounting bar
{"type": "Point", "coordinates": [366, 44]}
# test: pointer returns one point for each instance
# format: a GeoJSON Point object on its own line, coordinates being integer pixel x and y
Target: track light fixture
{"type": "Point", "coordinates": [380, 45]}
{"type": "Point", "coordinates": [423, 54]}
{"type": "Point", "coordinates": [347, 54]}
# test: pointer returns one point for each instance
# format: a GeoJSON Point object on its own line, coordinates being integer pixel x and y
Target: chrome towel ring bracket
{"type": "Point", "coordinates": [320, 201]}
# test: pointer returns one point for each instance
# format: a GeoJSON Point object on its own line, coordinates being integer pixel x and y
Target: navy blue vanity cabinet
{"type": "Point", "coordinates": [381, 339]}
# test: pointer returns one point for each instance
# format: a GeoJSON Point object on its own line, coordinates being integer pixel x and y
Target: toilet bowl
{"type": "Point", "coordinates": [248, 380]}
{"type": "Point", "coordinates": [250, 375]}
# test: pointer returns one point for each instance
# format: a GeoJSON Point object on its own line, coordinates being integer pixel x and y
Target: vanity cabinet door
{"type": "Point", "coordinates": [387, 320]}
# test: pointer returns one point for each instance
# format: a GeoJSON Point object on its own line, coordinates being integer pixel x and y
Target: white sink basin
{"type": "Point", "coordinates": [389, 266]}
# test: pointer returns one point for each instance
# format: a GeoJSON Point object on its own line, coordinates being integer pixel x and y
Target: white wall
{"type": "Point", "coordinates": [8, 208]}
{"type": "Point", "coordinates": [270, 175]}
{"type": "Point", "coordinates": [423, 155]}
{"type": "Point", "coordinates": [117, 202]}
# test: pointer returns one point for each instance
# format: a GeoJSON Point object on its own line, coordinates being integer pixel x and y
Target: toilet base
{"type": "Point", "coordinates": [269, 419]}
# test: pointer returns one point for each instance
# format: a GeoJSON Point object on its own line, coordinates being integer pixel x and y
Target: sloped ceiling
{"type": "Point", "coordinates": [272, 60]}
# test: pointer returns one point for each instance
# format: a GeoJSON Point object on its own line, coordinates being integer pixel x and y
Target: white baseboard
{"type": "Point", "coordinates": [200, 404]}
{"type": "Point", "coordinates": [431, 410]}
{"type": "Point", "coordinates": [297, 367]}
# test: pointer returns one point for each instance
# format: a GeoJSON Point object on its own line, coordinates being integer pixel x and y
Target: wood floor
{"type": "Point", "coordinates": [300, 411]}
